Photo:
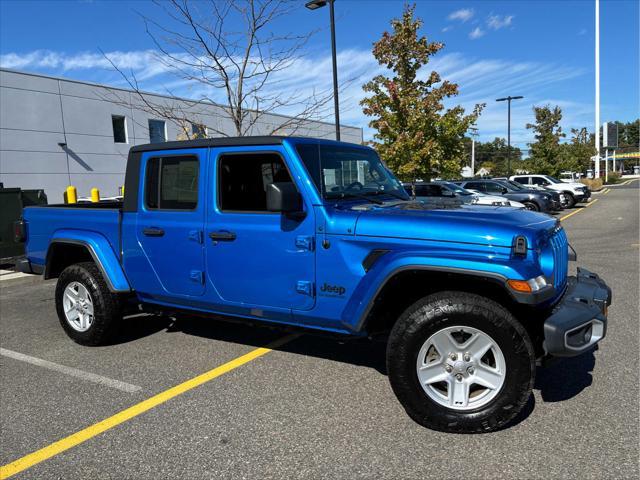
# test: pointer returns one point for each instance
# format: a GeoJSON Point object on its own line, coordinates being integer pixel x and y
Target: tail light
{"type": "Point", "coordinates": [19, 231]}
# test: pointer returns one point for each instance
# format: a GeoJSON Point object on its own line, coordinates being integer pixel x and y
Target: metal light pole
{"type": "Point", "coordinates": [508, 99]}
{"type": "Point", "coordinates": [314, 5]}
{"type": "Point", "coordinates": [596, 171]}
{"type": "Point", "coordinates": [474, 134]}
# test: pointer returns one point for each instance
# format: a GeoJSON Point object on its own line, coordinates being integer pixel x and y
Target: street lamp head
{"type": "Point", "coordinates": [315, 4]}
{"type": "Point", "coordinates": [503, 99]}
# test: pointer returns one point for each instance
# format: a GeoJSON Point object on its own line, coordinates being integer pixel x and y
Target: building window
{"type": "Point", "coordinates": [198, 131]}
{"type": "Point", "coordinates": [243, 180]}
{"type": "Point", "coordinates": [157, 131]}
{"type": "Point", "coordinates": [119, 128]}
{"type": "Point", "coordinates": [172, 183]}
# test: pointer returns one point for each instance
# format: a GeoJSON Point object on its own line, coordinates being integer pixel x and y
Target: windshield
{"type": "Point", "coordinates": [553, 179]}
{"type": "Point", "coordinates": [340, 171]}
{"type": "Point", "coordinates": [514, 185]}
{"type": "Point", "coordinates": [456, 188]}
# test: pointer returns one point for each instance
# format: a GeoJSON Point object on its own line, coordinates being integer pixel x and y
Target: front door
{"type": "Point", "coordinates": [170, 222]}
{"type": "Point", "coordinates": [256, 258]}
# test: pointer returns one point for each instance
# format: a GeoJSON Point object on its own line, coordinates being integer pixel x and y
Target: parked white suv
{"type": "Point", "coordinates": [574, 192]}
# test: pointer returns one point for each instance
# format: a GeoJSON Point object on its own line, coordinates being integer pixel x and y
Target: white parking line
{"type": "Point", "coordinates": [74, 372]}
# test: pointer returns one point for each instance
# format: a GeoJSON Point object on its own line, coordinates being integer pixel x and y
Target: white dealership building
{"type": "Point", "coordinates": [56, 132]}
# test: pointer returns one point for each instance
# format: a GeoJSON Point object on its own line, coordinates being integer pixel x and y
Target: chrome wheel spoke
{"type": "Point", "coordinates": [444, 343]}
{"type": "Point", "coordinates": [71, 313]}
{"type": "Point", "coordinates": [458, 394]}
{"type": "Point", "coordinates": [432, 373]}
{"type": "Point", "coordinates": [487, 377]}
{"type": "Point", "coordinates": [478, 345]}
{"type": "Point", "coordinates": [71, 296]}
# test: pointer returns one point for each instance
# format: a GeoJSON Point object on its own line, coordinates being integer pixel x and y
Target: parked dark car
{"type": "Point", "coordinates": [440, 189]}
{"type": "Point", "coordinates": [560, 199]}
{"type": "Point", "coordinates": [536, 200]}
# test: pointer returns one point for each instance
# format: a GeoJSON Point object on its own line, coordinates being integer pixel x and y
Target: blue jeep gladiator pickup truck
{"type": "Point", "coordinates": [319, 234]}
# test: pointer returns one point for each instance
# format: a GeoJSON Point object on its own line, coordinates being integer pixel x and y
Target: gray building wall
{"type": "Point", "coordinates": [38, 113]}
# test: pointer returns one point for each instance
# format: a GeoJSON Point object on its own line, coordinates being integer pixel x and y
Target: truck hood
{"type": "Point", "coordinates": [485, 225]}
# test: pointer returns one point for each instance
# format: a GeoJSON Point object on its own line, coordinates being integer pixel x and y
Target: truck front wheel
{"type": "Point", "coordinates": [459, 362]}
{"type": "Point", "coordinates": [89, 313]}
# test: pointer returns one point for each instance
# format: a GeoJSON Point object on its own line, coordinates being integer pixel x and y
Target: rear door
{"type": "Point", "coordinates": [170, 222]}
{"type": "Point", "coordinates": [255, 258]}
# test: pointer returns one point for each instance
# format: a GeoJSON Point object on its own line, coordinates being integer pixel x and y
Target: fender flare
{"type": "Point", "coordinates": [356, 312]}
{"type": "Point", "coordinates": [100, 250]}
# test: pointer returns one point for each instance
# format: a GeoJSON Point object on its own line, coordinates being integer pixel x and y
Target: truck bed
{"type": "Point", "coordinates": [43, 223]}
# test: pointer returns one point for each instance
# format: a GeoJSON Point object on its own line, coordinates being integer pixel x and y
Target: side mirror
{"type": "Point", "coordinates": [448, 193]}
{"type": "Point", "coordinates": [283, 197]}
{"type": "Point", "coordinates": [504, 190]}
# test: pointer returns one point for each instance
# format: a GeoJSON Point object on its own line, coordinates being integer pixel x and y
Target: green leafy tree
{"type": "Point", "coordinates": [415, 135]}
{"type": "Point", "coordinates": [629, 134]}
{"type": "Point", "coordinates": [575, 156]}
{"type": "Point", "coordinates": [496, 152]}
{"type": "Point", "coordinates": [544, 153]}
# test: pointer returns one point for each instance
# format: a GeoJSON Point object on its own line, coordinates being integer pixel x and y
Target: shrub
{"type": "Point", "coordinates": [594, 184]}
{"type": "Point", "coordinates": [614, 177]}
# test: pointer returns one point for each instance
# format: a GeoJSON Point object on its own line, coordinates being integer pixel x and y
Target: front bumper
{"type": "Point", "coordinates": [579, 321]}
{"type": "Point", "coordinates": [582, 197]}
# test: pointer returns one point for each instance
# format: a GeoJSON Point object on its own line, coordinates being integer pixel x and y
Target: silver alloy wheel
{"type": "Point", "coordinates": [461, 368]}
{"type": "Point", "coordinates": [78, 306]}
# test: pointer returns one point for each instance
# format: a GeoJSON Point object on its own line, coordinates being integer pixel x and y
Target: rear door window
{"type": "Point", "coordinates": [171, 183]}
{"type": "Point", "coordinates": [478, 186]}
{"type": "Point", "coordinates": [494, 188]}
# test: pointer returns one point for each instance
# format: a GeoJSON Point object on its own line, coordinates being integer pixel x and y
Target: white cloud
{"type": "Point", "coordinates": [496, 22]}
{"type": "Point", "coordinates": [447, 28]}
{"type": "Point", "coordinates": [476, 33]}
{"type": "Point", "coordinates": [583, 31]}
{"type": "Point", "coordinates": [464, 14]}
{"type": "Point", "coordinates": [480, 81]}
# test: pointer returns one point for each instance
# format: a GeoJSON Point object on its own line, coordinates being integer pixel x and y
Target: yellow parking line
{"type": "Point", "coordinates": [606, 191]}
{"type": "Point", "coordinates": [578, 211]}
{"type": "Point", "coordinates": [77, 438]}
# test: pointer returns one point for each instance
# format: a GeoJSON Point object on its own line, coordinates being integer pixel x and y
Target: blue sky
{"type": "Point", "coordinates": [543, 50]}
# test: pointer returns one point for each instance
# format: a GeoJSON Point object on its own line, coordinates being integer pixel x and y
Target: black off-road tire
{"type": "Point", "coordinates": [571, 201]}
{"type": "Point", "coordinates": [533, 206]}
{"type": "Point", "coordinates": [446, 309]}
{"type": "Point", "coordinates": [106, 305]}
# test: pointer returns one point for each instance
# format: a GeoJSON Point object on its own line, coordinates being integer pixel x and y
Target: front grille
{"type": "Point", "coordinates": [560, 247]}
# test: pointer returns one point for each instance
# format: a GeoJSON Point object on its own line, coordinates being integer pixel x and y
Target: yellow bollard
{"type": "Point", "coordinates": [72, 194]}
{"type": "Point", "coordinates": [95, 195]}
{"type": "Point", "coordinates": [122, 190]}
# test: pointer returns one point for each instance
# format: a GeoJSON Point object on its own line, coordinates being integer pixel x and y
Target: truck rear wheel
{"type": "Point", "coordinates": [88, 311]}
{"type": "Point", "coordinates": [459, 362]}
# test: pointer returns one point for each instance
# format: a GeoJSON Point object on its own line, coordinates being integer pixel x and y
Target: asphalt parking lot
{"type": "Point", "coordinates": [312, 407]}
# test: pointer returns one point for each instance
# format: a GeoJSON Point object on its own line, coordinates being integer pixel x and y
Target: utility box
{"type": "Point", "coordinates": [12, 201]}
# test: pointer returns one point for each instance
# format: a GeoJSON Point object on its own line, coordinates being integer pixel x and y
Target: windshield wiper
{"type": "Point", "coordinates": [357, 195]}
{"type": "Point", "coordinates": [388, 192]}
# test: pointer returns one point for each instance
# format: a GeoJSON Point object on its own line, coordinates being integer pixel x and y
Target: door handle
{"type": "Point", "coordinates": [153, 232]}
{"type": "Point", "coordinates": [222, 236]}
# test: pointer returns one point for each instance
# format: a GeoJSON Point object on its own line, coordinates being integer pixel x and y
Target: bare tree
{"type": "Point", "coordinates": [229, 47]}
